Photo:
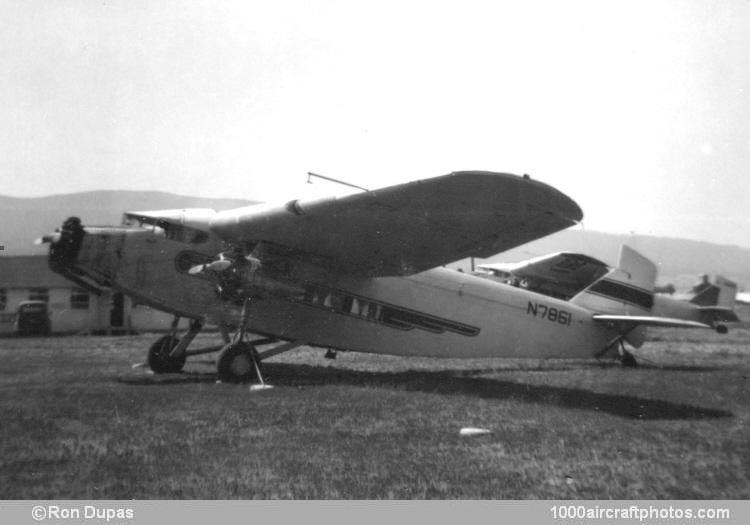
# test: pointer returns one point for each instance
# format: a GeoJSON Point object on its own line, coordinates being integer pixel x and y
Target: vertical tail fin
{"type": "Point", "coordinates": [627, 289]}
{"type": "Point", "coordinates": [722, 293]}
{"type": "Point", "coordinates": [727, 292]}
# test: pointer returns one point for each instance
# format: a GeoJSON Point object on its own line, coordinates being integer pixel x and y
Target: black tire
{"type": "Point", "coordinates": [159, 359]}
{"type": "Point", "coordinates": [628, 360]}
{"type": "Point", "coordinates": [235, 363]}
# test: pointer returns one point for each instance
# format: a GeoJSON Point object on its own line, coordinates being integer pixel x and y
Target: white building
{"type": "Point", "coordinates": [71, 309]}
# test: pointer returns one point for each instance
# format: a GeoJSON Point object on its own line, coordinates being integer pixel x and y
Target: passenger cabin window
{"type": "Point", "coordinates": [371, 310]}
{"type": "Point", "coordinates": [39, 294]}
{"type": "Point", "coordinates": [79, 299]}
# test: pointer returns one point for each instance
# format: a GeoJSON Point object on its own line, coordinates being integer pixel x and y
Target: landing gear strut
{"type": "Point", "coordinates": [159, 359]}
{"type": "Point", "coordinates": [626, 358]}
{"type": "Point", "coordinates": [168, 354]}
{"type": "Point", "coordinates": [239, 361]}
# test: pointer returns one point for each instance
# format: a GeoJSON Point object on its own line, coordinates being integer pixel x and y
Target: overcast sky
{"type": "Point", "coordinates": [640, 111]}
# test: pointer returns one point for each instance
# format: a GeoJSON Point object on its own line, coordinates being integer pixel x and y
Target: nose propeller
{"type": "Point", "coordinates": [65, 243]}
{"type": "Point", "coordinates": [47, 239]}
{"type": "Point", "coordinates": [218, 265]}
{"type": "Point", "coordinates": [224, 262]}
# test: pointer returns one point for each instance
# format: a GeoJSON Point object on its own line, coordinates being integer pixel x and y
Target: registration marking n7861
{"type": "Point", "coordinates": [550, 313]}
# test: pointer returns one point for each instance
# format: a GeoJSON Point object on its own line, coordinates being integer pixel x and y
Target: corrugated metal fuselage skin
{"type": "Point", "coordinates": [447, 313]}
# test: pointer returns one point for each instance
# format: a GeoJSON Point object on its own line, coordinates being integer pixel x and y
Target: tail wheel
{"type": "Point", "coordinates": [159, 359]}
{"type": "Point", "coordinates": [236, 363]}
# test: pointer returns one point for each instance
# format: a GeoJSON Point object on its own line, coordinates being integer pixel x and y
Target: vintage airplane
{"type": "Point", "coordinates": [565, 274]}
{"type": "Point", "coordinates": [361, 273]}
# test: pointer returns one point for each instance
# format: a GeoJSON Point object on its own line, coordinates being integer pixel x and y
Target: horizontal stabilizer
{"type": "Point", "coordinates": [646, 320]}
{"type": "Point", "coordinates": [719, 314]}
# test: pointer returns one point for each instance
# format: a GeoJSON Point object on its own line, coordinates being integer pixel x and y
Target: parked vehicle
{"type": "Point", "coordinates": [32, 318]}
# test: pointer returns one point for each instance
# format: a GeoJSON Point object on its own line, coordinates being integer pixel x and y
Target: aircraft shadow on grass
{"type": "Point", "coordinates": [168, 379]}
{"type": "Point", "coordinates": [591, 364]}
{"type": "Point", "coordinates": [451, 383]}
{"type": "Point", "coordinates": [459, 383]}
{"type": "Point", "coordinates": [680, 368]}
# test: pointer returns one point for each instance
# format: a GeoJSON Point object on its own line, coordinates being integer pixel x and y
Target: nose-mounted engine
{"type": "Point", "coordinates": [86, 256]}
{"type": "Point", "coordinates": [64, 246]}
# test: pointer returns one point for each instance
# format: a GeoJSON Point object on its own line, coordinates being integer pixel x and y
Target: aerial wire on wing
{"type": "Point", "coordinates": [331, 179]}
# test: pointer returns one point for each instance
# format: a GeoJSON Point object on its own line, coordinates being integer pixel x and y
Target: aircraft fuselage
{"type": "Point", "coordinates": [440, 312]}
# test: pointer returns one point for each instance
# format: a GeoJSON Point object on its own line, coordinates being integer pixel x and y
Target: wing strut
{"type": "Point", "coordinates": [239, 340]}
{"type": "Point", "coordinates": [240, 361]}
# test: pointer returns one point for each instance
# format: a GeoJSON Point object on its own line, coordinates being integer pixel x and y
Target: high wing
{"type": "Point", "coordinates": [561, 274]}
{"type": "Point", "coordinates": [408, 228]}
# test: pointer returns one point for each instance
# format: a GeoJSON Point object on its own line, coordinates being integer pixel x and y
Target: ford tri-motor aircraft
{"type": "Point", "coordinates": [361, 273]}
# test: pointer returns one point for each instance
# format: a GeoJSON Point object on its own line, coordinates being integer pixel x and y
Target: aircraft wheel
{"type": "Point", "coordinates": [628, 360]}
{"type": "Point", "coordinates": [235, 363]}
{"type": "Point", "coordinates": [722, 329]}
{"type": "Point", "coordinates": [158, 356]}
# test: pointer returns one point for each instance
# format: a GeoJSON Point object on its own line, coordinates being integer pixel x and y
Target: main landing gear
{"type": "Point", "coordinates": [169, 353]}
{"type": "Point", "coordinates": [159, 359]}
{"type": "Point", "coordinates": [626, 359]}
{"type": "Point", "coordinates": [239, 360]}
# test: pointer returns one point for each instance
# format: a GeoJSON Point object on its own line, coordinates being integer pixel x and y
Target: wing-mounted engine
{"type": "Point", "coordinates": [240, 275]}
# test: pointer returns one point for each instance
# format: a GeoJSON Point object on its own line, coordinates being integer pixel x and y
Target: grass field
{"type": "Point", "coordinates": [76, 421]}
